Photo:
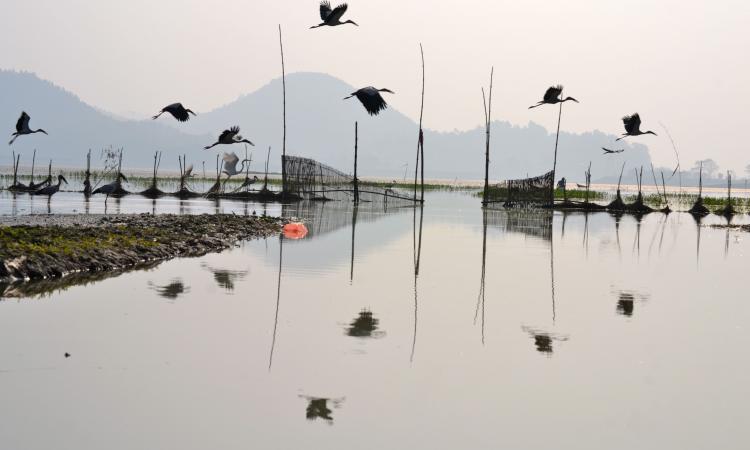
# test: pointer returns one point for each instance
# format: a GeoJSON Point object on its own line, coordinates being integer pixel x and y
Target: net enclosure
{"type": "Point", "coordinates": [534, 191]}
{"type": "Point", "coordinates": [313, 180]}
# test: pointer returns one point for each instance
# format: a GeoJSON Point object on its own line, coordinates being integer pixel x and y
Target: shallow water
{"type": "Point", "coordinates": [592, 332]}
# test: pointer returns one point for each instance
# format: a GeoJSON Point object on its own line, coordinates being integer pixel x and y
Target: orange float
{"type": "Point", "coordinates": [294, 230]}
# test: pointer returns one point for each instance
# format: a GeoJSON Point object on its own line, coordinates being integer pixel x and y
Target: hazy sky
{"type": "Point", "coordinates": [683, 63]}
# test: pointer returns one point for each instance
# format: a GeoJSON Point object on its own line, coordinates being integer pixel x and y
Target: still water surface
{"type": "Point", "coordinates": [521, 330]}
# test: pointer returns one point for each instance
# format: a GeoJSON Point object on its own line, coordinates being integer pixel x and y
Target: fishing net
{"type": "Point", "coordinates": [522, 192]}
{"type": "Point", "coordinates": [313, 180]}
{"type": "Point", "coordinates": [528, 222]}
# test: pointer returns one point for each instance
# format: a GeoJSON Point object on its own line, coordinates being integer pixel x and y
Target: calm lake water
{"type": "Point", "coordinates": [522, 330]}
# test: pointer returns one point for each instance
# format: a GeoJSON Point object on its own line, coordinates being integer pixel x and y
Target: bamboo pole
{"type": "Point", "coordinates": [33, 162]}
{"type": "Point", "coordinates": [420, 142]}
{"type": "Point", "coordinates": [283, 140]}
{"type": "Point", "coordinates": [488, 121]}
{"type": "Point", "coordinates": [554, 161]}
{"type": "Point", "coordinates": [356, 181]}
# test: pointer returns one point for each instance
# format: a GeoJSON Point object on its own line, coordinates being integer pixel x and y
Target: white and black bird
{"type": "Point", "coordinates": [52, 189]}
{"type": "Point", "coordinates": [178, 111]}
{"type": "Point", "coordinates": [22, 127]}
{"type": "Point", "coordinates": [230, 136]}
{"type": "Point", "coordinates": [371, 99]}
{"type": "Point", "coordinates": [332, 17]}
{"type": "Point", "coordinates": [609, 151]}
{"type": "Point", "coordinates": [633, 126]}
{"type": "Point", "coordinates": [552, 96]}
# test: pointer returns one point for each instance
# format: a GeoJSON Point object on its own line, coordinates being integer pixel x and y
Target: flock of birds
{"type": "Point", "coordinates": [370, 98]}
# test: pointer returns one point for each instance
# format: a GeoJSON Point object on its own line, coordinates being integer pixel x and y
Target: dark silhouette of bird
{"type": "Point", "coordinates": [67, 355]}
{"type": "Point", "coordinates": [52, 189]}
{"type": "Point", "coordinates": [22, 127]}
{"type": "Point", "coordinates": [633, 126]}
{"type": "Point", "coordinates": [371, 99]}
{"type": "Point", "coordinates": [110, 188]}
{"type": "Point", "coordinates": [178, 111]}
{"type": "Point", "coordinates": [552, 96]}
{"type": "Point", "coordinates": [230, 136]}
{"type": "Point", "coordinates": [332, 17]}
{"type": "Point", "coordinates": [609, 152]}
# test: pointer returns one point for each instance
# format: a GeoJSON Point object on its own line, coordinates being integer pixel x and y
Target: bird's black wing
{"type": "Point", "coordinates": [23, 121]}
{"type": "Point", "coordinates": [373, 103]}
{"type": "Point", "coordinates": [325, 10]}
{"type": "Point", "coordinates": [178, 111]}
{"type": "Point", "coordinates": [632, 123]}
{"type": "Point", "coordinates": [337, 12]}
{"type": "Point", "coordinates": [227, 134]}
{"type": "Point", "coordinates": [552, 93]}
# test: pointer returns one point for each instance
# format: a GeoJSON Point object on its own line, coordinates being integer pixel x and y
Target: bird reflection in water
{"type": "Point", "coordinates": [626, 302]}
{"type": "Point", "coordinates": [318, 408]}
{"type": "Point", "coordinates": [226, 278]}
{"type": "Point", "coordinates": [172, 290]}
{"type": "Point", "coordinates": [543, 340]}
{"type": "Point", "coordinates": [364, 326]}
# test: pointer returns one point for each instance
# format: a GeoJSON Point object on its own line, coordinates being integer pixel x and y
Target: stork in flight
{"type": "Point", "coordinates": [633, 126]}
{"type": "Point", "coordinates": [552, 96]}
{"type": "Point", "coordinates": [51, 190]}
{"type": "Point", "coordinates": [230, 166]}
{"type": "Point", "coordinates": [178, 111]}
{"type": "Point", "coordinates": [332, 17]}
{"type": "Point", "coordinates": [609, 152]}
{"type": "Point", "coordinates": [22, 127]}
{"type": "Point", "coordinates": [371, 99]}
{"type": "Point", "coordinates": [230, 136]}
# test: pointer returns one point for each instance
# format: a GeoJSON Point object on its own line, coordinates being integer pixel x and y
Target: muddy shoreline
{"type": "Point", "coordinates": [48, 247]}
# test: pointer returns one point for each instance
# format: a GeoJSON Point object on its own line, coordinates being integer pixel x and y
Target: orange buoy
{"type": "Point", "coordinates": [295, 230]}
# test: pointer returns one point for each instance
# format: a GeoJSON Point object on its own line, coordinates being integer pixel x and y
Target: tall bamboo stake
{"type": "Point", "coordinates": [420, 139]}
{"type": "Point", "coordinates": [554, 161]}
{"type": "Point", "coordinates": [283, 140]}
{"type": "Point", "coordinates": [33, 162]}
{"type": "Point", "coordinates": [488, 121]}
{"type": "Point", "coordinates": [356, 181]}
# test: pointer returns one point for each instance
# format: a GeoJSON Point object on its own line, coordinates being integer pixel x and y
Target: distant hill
{"type": "Point", "coordinates": [320, 125]}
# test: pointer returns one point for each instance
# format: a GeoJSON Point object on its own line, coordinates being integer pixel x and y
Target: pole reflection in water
{"type": "Point", "coordinates": [354, 229]}
{"type": "Point", "coordinates": [480, 297]}
{"type": "Point", "coordinates": [365, 325]}
{"type": "Point", "coordinates": [417, 253]}
{"type": "Point", "coordinates": [278, 300]}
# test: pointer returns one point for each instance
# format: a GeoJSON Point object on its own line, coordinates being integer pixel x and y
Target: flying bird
{"type": "Point", "coordinates": [633, 127]}
{"type": "Point", "coordinates": [552, 96]}
{"type": "Point", "coordinates": [22, 127]}
{"type": "Point", "coordinates": [178, 111]}
{"type": "Point", "coordinates": [51, 190]}
{"type": "Point", "coordinates": [188, 172]}
{"type": "Point", "coordinates": [332, 17]}
{"type": "Point", "coordinates": [230, 136]}
{"type": "Point", "coordinates": [371, 99]}
{"type": "Point", "coordinates": [608, 151]}
{"type": "Point", "coordinates": [230, 164]}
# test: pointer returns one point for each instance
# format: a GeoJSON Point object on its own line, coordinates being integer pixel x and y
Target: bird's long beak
{"type": "Point", "coordinates": [346, 98]}
{"type": "Point", "coordinates": [63, 178]}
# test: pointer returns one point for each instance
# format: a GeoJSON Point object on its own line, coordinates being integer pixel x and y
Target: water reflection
{"type": "Point", "coordinates": [225, 278]}
{"type": "Point", "coordinates": [417, 255]}
{"type": "Point", "coordinates": [626, 301]}
{"type": "Point", "coordinates": [318, 408]}
{"type": "Point", "coordinates": [543, 340]}
{"type": "Point", "coordinates": [172, 290]}
{"type": "Point", "coordinates": [365, 325]}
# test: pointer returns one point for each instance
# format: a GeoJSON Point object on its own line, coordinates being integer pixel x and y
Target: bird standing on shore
{"type": "Point", "coordinates": [332, 17]}
{"type": "Point", "coordinates": [22, 127]}
{"type": "Point", "coordinates": [633, 126]}
{"type": "Point", "coordinates": [178, 111]}
{"type": "Point", "coordinates": [51, 190]}
{"type": "Point", "coordinates": [552, 96]}
{"type": "Point", "coordinates": [371, 99]}
{"type": "Point", "coordinates": [230, 136]}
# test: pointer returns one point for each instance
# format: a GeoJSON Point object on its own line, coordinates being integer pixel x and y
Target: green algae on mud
{"type": "Point", "coordinates": [107, 243]}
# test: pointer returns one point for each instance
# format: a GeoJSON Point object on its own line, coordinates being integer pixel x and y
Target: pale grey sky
{"type": "Point", "coordinates": [684, 63]}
